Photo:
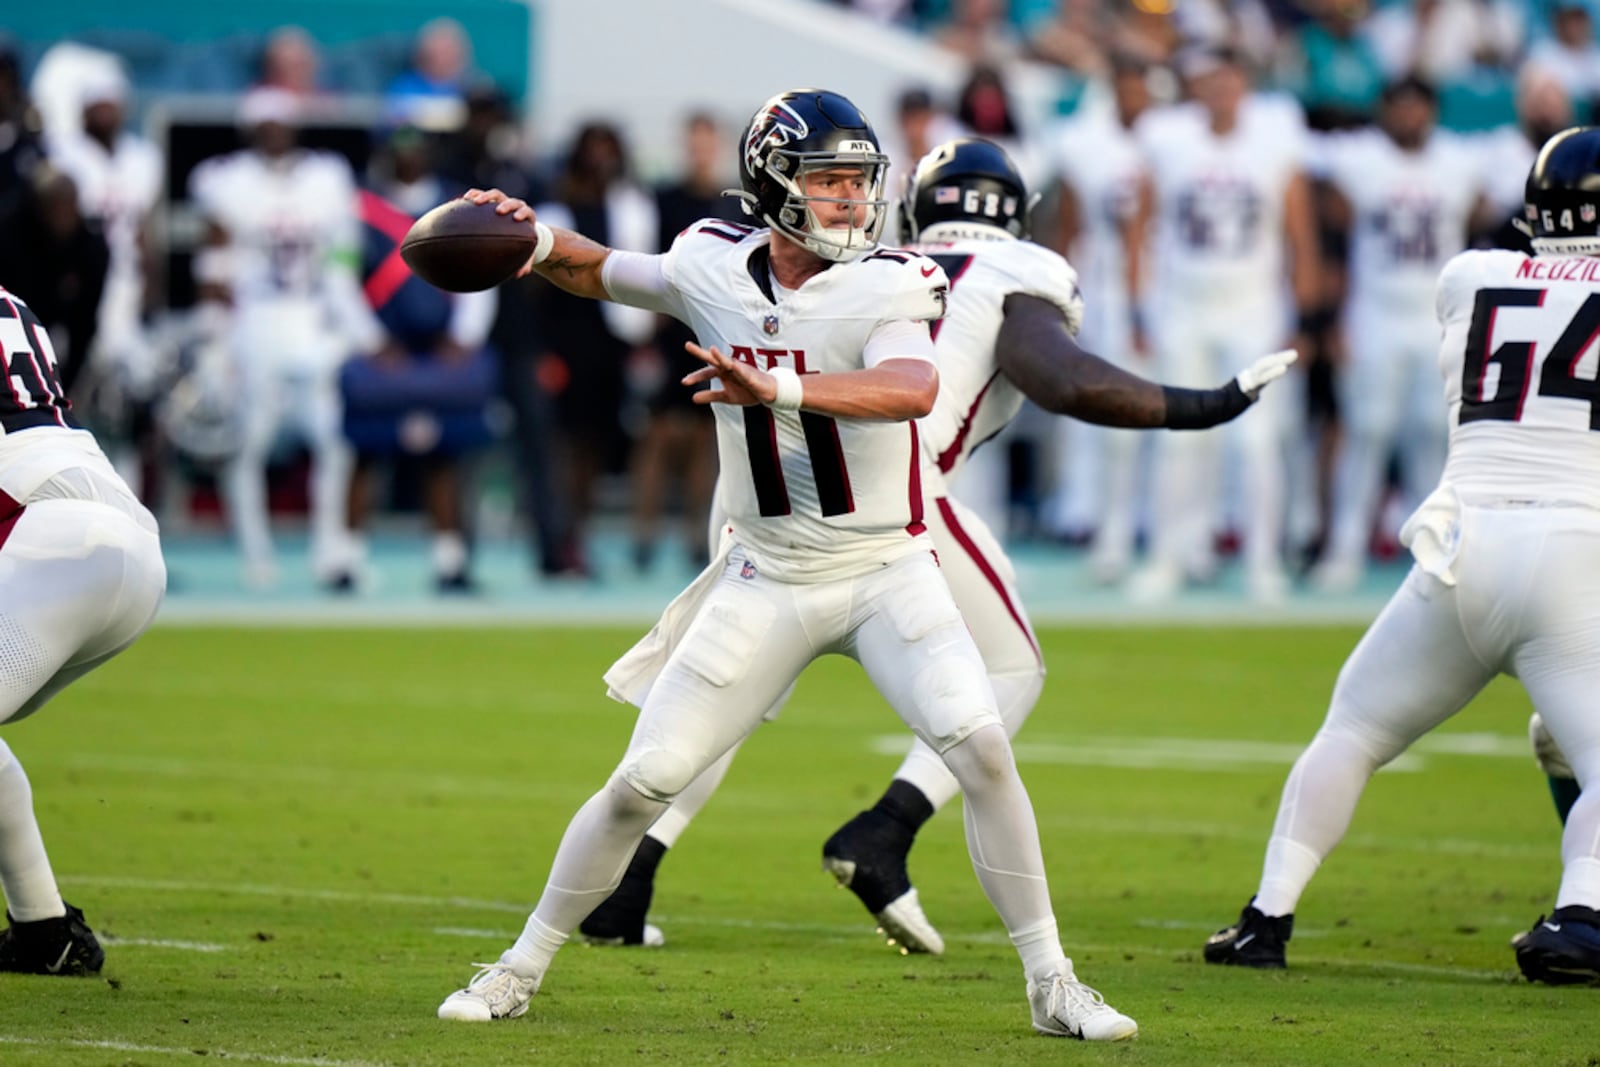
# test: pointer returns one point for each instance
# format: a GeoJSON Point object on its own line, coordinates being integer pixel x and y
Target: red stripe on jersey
{"type": "Point", "coordinates": [10, 512]}
{"type": "Point", "coordinates": [948, 513]}
{"type": "Point", "coordinates": [947, 458]}
{"type": "Point", "coordinates": [393, 223]}
{"type": "Point", "coordinates": [915, 526]}
{"type": "Point", "coordinates": [384, 216]}
{"type": "Point", "coordinates": [391, 274]}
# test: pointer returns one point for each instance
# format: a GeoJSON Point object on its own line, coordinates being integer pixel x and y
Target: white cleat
{"type": "Point", "coordinates": [907, 928]}
{"type": "Point", "coordinates": [495, 992]}
{"type": "Point", "coordinates": [1065, 1007]}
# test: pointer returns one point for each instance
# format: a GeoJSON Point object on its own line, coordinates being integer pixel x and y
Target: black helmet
{"type": "Point", "coordinates": [805, 130]}
{"type": "Point", "coordinates": [1562, 199]}
{"type": "Point", "coordinates": [967, 180]}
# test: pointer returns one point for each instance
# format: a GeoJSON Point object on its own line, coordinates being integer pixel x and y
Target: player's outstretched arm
{"type": "Point", "coordinates": [569, 260]}
{"type": "Point", "coordinates": [1038, 353]}
{"type": "Point", "coordinates": [894, 390]}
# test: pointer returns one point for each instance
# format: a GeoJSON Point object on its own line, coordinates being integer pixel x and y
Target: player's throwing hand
{"type": "Point", "coordinates": [742, 384]}
{"type": "Point", "coordinates": [1267, 369]}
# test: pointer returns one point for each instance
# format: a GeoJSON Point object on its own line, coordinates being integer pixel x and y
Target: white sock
{"type": "Point", "coordinates": [25, 875]}
{"type": "Point", "coordinates": [1040, 949]}
{"type": "Point", "coordinates": [594, 852]}
{"type": "Point", "coordinates": [1580, 853]}
{"type": "Point", "coordinates": [1285, 874]}
{"type": "Point", "coordinates": [449, 553]}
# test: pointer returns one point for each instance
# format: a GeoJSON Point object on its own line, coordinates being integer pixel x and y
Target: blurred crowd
{"type": "Point", "coordinates": [241, 331]}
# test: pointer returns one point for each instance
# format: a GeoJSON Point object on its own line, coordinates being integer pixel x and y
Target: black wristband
{"type": "Point", "coordinates": [1199, 409]}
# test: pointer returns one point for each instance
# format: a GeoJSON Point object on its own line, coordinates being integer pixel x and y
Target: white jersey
{"type": "Point", "coordinates": [1099, 159]}
{"type": "Point", "coordinates": [1219, 200]}
{"type": "Point", "coordinates": [976, 400]}
{"type": "Point", "coordinates": [810, 497]}
{"type": "Point", "coordinates": [1519, 360]}
{"type": "Point", "coordinates": [1410, 212]}
{"type": "Point", "coordinates": [285, 220]}
{"type": "Point", "coordinates": [118, 188]}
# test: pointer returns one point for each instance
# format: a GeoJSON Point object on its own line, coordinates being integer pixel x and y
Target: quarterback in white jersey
{"type": "Point", "coordinates": [1232, 217]}
{"type": "Point", "coordinates": [1406, 193]}
{"type": "Point", "coordinates": [284, 229]}
{"type": "Point", "coordinates": [821, 356]}
{"type": "Point", "coordinates": [1103, 185]}
{"type": "Point", "coordinates": [81, 577]}
{"type": "Point", "coordinates": [1014, 307]}
{"type": "Point", "coordinates": [1504, 580]}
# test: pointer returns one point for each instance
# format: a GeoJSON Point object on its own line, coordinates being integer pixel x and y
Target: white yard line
{"type": "Point", "coordinates": [293, 893]}
{"type": "Point", "coordinates": [154, 942]}
{"type": "Point", "coordinates": [188, 1052]}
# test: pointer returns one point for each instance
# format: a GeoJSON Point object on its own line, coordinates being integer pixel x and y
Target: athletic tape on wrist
{"type": "Point", "coordinates": [791, 391]}
{"type": "Point", "coordinates": [544, 241]}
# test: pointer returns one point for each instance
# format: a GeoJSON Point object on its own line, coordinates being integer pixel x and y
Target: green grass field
{"type": "Point", "coordinates": [300, 840]}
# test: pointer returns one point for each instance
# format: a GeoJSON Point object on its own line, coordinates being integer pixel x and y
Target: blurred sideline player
{"type": "Point", "coordinates": [1504, 580]}
{"type": "Point", "coordinates": [1014, 308]}
{"type": "Point", "coordinates": [825, 550]}
{"type": "Point", "coordinates": [278, 274]}
{"type": "Point", "coordinates": [1103, 182]}
{"type": "Point", "coordinates": [1406, 192]}
{"type": "Point", "coordinates": [81, 576]}
{"type": "Point", "coordinates": [1232, 214]}
{"type": "Point", "coordinates": [118, 174]}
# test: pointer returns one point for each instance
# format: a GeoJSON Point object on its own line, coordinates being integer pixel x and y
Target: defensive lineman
{"type": "Point", "coordinates": [828, 359]}
{"type": "Point", "coordinates": [81, 576]}
{"type": "Point", "coordinates": [1504, 579]}
{"type": "Point", "coordinates": [1014, 310]}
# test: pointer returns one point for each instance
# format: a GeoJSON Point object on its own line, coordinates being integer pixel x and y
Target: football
{"type": "Point", "coordinates": [464, 247]}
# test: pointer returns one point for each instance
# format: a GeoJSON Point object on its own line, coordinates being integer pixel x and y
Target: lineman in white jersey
{"type": "Point", "coordinates": [1406, 193]}
{"type": "Point", "coordinates": [279, 273]}
{"type": "Point", "coordinates": [1504, 580]}
{"type": "Point", "coordinates": [1014, 307]}
{"type": "Point", "coordinates": [81, 577]}
{"type": "Point", "coordinates": [1103, 182]}
{"type": "Point", "coordinates": [820, 347]}
{"type": "Point", "coordinates": [1232, 214]}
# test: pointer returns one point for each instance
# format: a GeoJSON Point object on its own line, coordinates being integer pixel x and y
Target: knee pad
{"type": "Point", "coordinates": [985, 756]}
{"type": "Point", "coordinates": [656, 774]}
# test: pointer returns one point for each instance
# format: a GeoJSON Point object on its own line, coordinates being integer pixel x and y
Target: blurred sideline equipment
{"type": "Point", "coordinates": [463, 247]}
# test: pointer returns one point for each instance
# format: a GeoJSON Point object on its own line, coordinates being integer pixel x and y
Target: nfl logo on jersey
{"type": "Point", "coordinates": [748, 571]}
{"type": "Point", "coordinates": [770, 325]}
{"type": "Point", "coordinates": [1586, 212]}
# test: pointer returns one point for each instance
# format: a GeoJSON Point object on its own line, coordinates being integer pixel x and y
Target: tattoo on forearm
{"type": "Point", "coordinates": [564, 264]}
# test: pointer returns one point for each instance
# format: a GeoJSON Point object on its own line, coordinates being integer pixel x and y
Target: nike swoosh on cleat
{"type": "Point", "coordinates": [1243, 941]}
{"type": "Point", "coordinates": [55, 968]}
{"type": "Point", "coordinates": [1554, 928]}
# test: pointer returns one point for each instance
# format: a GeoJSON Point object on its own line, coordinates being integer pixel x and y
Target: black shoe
{"type": "Point", "coordinates": [867, 856]}
{"type": "Point", "coordinates": [51, 946]}
{"type": "Point", "coordinates": [619, 920]}
{"type": "Point", "coordinates": [1256, 940]}
{"type": "Point", "coordinates": [1563, 949]}
{"type": "Point", "coordinates": [457, 584]}
{"type": "Point", "coordinates": [341, 584]}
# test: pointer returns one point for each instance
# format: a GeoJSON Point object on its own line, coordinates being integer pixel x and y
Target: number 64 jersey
{"type": "Point", "coordinates": [810, 497]}
{"type": "Point", "coordinates": [1519, 359]}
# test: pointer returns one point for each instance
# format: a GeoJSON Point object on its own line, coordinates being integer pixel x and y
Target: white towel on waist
{"type": "Point", "coordinates": [630, 678]}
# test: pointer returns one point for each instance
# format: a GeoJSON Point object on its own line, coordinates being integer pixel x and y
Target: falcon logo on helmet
{"type": "Point", "coordinates": [794, 135]}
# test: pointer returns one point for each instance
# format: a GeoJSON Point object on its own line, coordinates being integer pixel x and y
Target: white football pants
{"type": "Point", "coordinates": [1527, 604]}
